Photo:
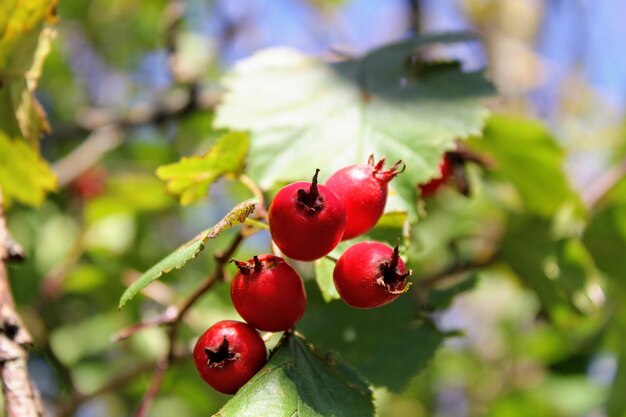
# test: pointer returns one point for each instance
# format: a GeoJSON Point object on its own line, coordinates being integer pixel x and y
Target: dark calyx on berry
{"type": "Point", "coordinates": [249, 268]}
{"type": "Point", "coordinates": [311, 200]}
{"type": "Point", "coordinates": [257, 265]}
{"type": "Point", "coordinates": [388, 175]}
{"type": "Point", "coordinates": [390, 277]}
{"type": "Point", "coordinates": [216, 358]}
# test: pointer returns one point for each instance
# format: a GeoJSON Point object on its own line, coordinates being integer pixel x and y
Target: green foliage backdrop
{"type": "Point", "coordinates": [517, 288]}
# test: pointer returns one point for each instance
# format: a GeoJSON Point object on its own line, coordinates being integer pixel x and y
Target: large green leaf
{"type": "Point", "coordinates": [299, 381]}
{"type": "Point", "coordinates": [305, 114]}
{"type": "Point", "coordinates": [191, 177]}
{"type": "Point", "coordinates": [189, 250]}
{"type": "Point", "coordinates": [558, 271]}
{"type": "Point", "coordinates": [387, 345]}
{"type": "Point", "coordinates": [605, 237]}
{"type": "Point", "coordinates": [24, 176]}
{"type": "Point", "coordinates": [529, 157]}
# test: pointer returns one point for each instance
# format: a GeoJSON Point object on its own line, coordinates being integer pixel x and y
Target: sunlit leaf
{"type": "Point", "coordinates": [25, 42]}
{"type": "Point", "coordinates": [24, 176]}
{"type": "Point", "coordinates": [299, 381]}
{"type": "Point", "coordinates": [328, 116]}
{"type": "Point", "coordinates": [189, 250]}
{"type": "Point", "coordinates": [191, 177]}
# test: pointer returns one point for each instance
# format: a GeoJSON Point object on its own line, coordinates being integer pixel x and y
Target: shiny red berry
{"type": "Point", "coordinates": [268, 293]}
{"type": "Point", "coordinates": [307, 220]}
{"type": "Point", "coordinates": [370, 274]}
{"type": "Point", "coordinates": [228, 354]}
{"type": "Point", "coordinates": [445, 172]}
{"type": "Point", "coordinates": [363, 192]}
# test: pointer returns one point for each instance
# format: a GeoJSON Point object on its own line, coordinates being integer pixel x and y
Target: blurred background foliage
{"type": "Point", "coordinates": [519, 287]}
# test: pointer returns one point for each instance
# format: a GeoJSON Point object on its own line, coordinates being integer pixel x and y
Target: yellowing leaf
{"type": "Point", "coordinates": [189, 250]}
{"type": "Point", "coordinates": [20, 23]}
{"type": "Point", "coordinates": [190, 178]}
{"type": "Point", "coordinates": [24, 176]}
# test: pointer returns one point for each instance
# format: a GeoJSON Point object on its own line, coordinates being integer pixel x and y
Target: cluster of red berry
{"type": "Point", "coordinates": [307, 221]}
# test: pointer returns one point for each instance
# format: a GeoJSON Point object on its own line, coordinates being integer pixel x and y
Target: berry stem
{"type": "Point", "coordinates": [310, 199]}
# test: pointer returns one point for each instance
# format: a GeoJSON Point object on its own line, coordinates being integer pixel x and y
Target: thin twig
{"type": "Point", "coordinates": [108, 129]}
{"type": "Point", "coordinates": [122, 379]}
{"type": "Point", "coordinates": [458, 267]}
{"type": "Point", "coordinates": [153, 389]}
{"type": "Point", "coordinates": [172, 326]}
{"type": "Point", "coordinates": [173, 18]}
{"type": "Point", "coordinates": [64, 372]}
{"type": "Point", "coordinates": [257, 224]}
{"type": "Point", "coordinates": [415, 16]}
{"type": "Point", "coordinates": [257, 192]}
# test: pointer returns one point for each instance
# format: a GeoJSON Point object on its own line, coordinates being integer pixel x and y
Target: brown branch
{"type": "Point", "coordinates": [261, 212]}
{"type": "Point", "coordinates": [63, 371]}
{"type": "Point", "coordinates": [172, 326]}
{"type": "Point", "coordinates": [108, 129]}
{"type": "Point", "coordinates": [153, 389]}
{"type": "Point", "coordinates": [21, 398]}
{"type": "Point", "coordinates": [415, 16]}
{"type": "Point", "coordinates": [457, 267]}
{"type": "Point", "coordinates": [603, 185]}
{"type": "Point", "coordinates": [119, 381]}
{"type": "Point", "coordinates": [173, 18]}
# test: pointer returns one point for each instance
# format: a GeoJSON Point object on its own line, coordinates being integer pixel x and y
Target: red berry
{"type": "Point", "coordinates": [91, 183]}
{"type": "Point", "coordinates": [228, 354]}
{"type": "Point", "coordinates": [370, 274]}
{"type": "Point", "coordinates": [268, 293]}
{"type": "Point", "coordinates": [363, 192]}
{"type": "Point", "coordinates": [445, 172]}
{"type": "Point", "coordinates": [306, 225]}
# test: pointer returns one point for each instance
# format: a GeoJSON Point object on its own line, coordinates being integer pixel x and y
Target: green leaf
{"type": "Point", "coordinates": [24, 176]}
{"type": "Point", "coordinates": [327, 116]}
{"type": "Point", "coordinates": [515, 144]}
{"type": "Point", "coordinates": [189, 250]}
{"type": "Point", "coordinates": [299, 381]}
{"type": "Point", "coordinates": [190, 178]}
{"type": "Point", "coordinates": [554, 269]}
{"type": "Point", "coordinates": [605, 238]}
{"type": "Point", "coordinates": [387, 345]}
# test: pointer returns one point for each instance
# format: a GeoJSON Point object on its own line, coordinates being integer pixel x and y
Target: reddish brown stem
{"type": "Point", "coordinates": [172, 326]}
